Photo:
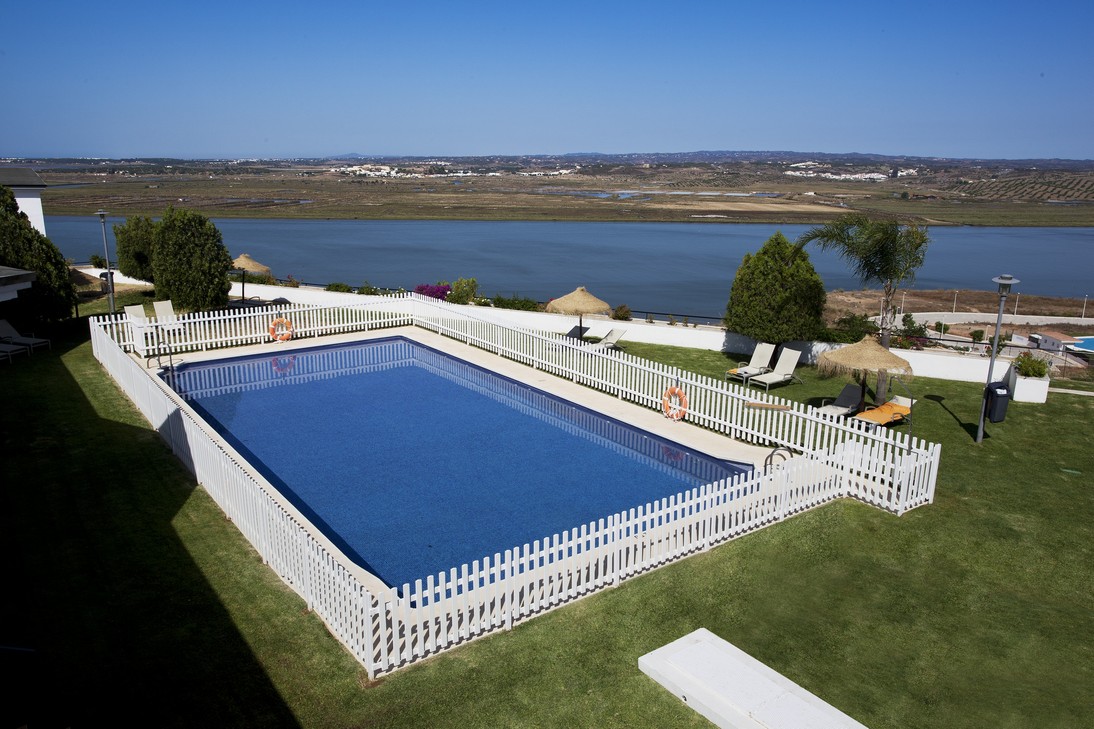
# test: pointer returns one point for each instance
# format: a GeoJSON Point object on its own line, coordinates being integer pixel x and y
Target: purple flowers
{"type": "Point", "coordinates": [436, 291]}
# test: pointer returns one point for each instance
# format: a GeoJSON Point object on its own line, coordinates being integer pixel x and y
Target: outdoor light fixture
{"type": "Point", "coordinates": [106, 253]}
{"type": "Point", "coordinates": [1004, 281]}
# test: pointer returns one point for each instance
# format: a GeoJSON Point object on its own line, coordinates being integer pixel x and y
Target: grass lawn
{"type": "Point", "coordinates": [132, 589]}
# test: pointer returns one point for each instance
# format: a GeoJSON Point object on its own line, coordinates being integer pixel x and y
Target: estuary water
{"type": "Point", "coordinates": [679, 268]}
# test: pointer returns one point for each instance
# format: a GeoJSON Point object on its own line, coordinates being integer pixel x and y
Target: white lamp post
{"type": "Point", "coordinates": [1005, 281]}
{"type": "Point", "coordinates": [1016, 297]}
{"type": "Point", "coordinates": [106, 252]}
{"type": "Point", "coordinates": [1084, 305]}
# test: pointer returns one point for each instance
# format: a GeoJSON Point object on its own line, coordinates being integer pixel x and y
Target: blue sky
{"type": "Point", "coordinates": [271, 79]}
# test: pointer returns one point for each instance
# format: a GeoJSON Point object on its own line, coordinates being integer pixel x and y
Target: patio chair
{"type": "Point", "coordinates": [758, 365]}
{"type": "Point", "coordinates": [783, 372]}
{"type": "Point", "coordinates": [610, 340]}
{"type": "Point", "coordinates": [9, 335]}
{"type": "Point", "coordinates": [897, 410]}
{"type": "Point", "coordinates": [7, 350]}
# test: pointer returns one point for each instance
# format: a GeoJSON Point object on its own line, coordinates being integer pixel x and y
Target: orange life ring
{"type": "Point", "coordinates": [281, 329]}
{"type": "Point", "coordinates": [674, 403]}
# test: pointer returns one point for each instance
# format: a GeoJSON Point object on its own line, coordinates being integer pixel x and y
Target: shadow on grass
{"type": "Point", "coordinates": [969, 428]}
{"type": "Point", "coordinates": [106, 614]}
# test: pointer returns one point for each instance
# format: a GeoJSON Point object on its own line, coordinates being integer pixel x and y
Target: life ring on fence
{"type": "Point", "coordinates": [283, 365]}
{"type": "Point", "coordinates": [674, 403]}
{"type": "Point", "coordinates": [281, 329]}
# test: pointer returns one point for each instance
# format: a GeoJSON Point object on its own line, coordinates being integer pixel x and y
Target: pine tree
{"type": "Point", "coordinates": [776, 296]}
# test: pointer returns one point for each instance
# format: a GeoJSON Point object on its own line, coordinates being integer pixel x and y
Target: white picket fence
{"type": "Point", "coordinates": [387, 628]}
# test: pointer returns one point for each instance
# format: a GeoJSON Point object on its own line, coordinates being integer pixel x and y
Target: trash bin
{"type": "Point", "coordinates": [104, 281]}
{"type": "Point", "coordinates": [998, 394]}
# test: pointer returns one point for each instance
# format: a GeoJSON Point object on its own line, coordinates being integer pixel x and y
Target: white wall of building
{"type": "Point", "coordinates": [29, 201]}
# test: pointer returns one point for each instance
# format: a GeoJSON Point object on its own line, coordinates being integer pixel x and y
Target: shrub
{"type": "Point", "coordinates": [622, 313]}
{"type": "Point", "coordinates": [515, 302]}
{"type": "Point", "coordinates": [97, 261]}
{"type": "Point", "coordinates": [191, 262]}
{"type": "Point", "coordinates": [1027, 365]}
{"type": "Point", "coordinates": [367, 289]}
{"type": "Point", "coordinates": [672, 320]}
{"type": "Point", "coordinates": [340, 287]}
{"type": "Point", "coordinates": [434, 291]}
{"type": "Point", "coordinates": [977, 335]}
{"type": "Point", "coordinates": [649, 318]}
{"type": "Point", "coordinates": [291, 282]}
{"type": "Point", "coordinates": [909, 327]}
{"type": "Point", "coordinates": [940, 327]}
{"type": "Point", "coordinates": [464, 291]}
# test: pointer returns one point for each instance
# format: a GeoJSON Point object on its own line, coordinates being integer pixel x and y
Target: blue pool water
{"type": "Point", "coordinates": [1085, 343]}
{"type": "Point", "coordinates": [414, 462]}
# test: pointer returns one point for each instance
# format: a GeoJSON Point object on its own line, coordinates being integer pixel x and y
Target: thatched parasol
{"type": "Point", "coordinates": [580, 302]}
{"type": "Point", "coordinates": [245, 263]}
{"type": "Point", "coordinates": [860, 359]}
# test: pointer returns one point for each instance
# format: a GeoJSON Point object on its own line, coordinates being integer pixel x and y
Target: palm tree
{"type": "Point", "coordinates": [879, 251]}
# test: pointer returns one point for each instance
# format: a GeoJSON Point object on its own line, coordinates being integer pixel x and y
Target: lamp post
{"type": "Point", "coordinates": [902, 297]}
{"type": "Point", "coordinates": [1005, 281]}
{"type": "Point", "coordinates": [106, 253]}
{"type": "Point", "coordinates": [955, 302]}
{"type": "Point", "coordinates": [1084, 305]}
{"type": "Point", "coordinates": [1016, 297]}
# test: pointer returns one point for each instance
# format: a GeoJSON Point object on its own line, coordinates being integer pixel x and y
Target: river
{"type": "Point", "coordinates": [679, 268]}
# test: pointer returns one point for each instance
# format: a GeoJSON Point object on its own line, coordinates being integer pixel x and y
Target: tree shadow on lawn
{"type": "Point", "coordinates": [107, 618]}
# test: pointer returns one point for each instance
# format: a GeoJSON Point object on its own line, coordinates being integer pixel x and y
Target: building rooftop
{"type": "Point", "coordinates": [20, 177]}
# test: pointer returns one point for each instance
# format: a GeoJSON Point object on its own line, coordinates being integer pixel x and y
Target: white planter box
{"type": "Point", "coordinates": [1031, 389]}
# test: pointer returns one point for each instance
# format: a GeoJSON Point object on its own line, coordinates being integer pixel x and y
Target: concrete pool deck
{"type": "Point", "coordinates": [706, 441]}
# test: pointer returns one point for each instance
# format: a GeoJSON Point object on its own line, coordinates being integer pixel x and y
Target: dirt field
{"type": "Point", "coordinates": [842, 303]}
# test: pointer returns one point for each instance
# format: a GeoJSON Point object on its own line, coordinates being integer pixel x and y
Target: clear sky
{"type": "Point", "coordinates": [998, 79]}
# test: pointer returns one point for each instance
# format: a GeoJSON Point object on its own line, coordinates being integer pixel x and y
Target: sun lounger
{"type": "Point", "coordinates": [897, 410]}
{"type": "Point", "coordinates": [758, 365]}
{"type": "Point", "coordinates": [783, 372]}
{"type": "Point", "coordinates": [7, 350]}
{"type": "Point", "coordinates": [165, 312]}
{"type": "Point", "coordinates": [610, 340]}
{"type": "Point", "coordinates": [9, 335]}
{"type": "Point", "coordinates": [847, 403]}
{"type": "Point", "coordinates": [138, 325]}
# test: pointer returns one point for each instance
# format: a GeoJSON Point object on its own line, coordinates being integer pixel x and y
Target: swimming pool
{"type": "Point", "coordinates": [412, 461]}
{"type": "Point", "coordinates": [1086, 344]}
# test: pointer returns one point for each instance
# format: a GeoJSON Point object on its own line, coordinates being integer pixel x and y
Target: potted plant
{"type": "Point", "coordinates": [1031, 385]}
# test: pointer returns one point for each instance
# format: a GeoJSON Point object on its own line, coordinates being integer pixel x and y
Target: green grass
{"type": "Point", "coordinates": [136, 591]}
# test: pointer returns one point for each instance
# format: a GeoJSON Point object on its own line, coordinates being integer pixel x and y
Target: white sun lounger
{"type": "Point", "coordinates": [9, 335]}
{"type": "Point", "coordinates": [758, 365]}
{"type": "Point", "coordinates": [783, 372]}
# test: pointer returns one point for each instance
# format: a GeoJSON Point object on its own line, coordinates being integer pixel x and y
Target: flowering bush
{"type": "Point", "coordinates": [435, 291]}
{"type": "Point", "coordinates": [1028, 365]}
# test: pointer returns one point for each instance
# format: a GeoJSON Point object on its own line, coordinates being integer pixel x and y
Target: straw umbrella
{"type": "Point", "coordinates": [244, 264]}
{"type": "Point", "coordinates": [860, 359]}
{"type": "Point", "coordinates": [580, 302]}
